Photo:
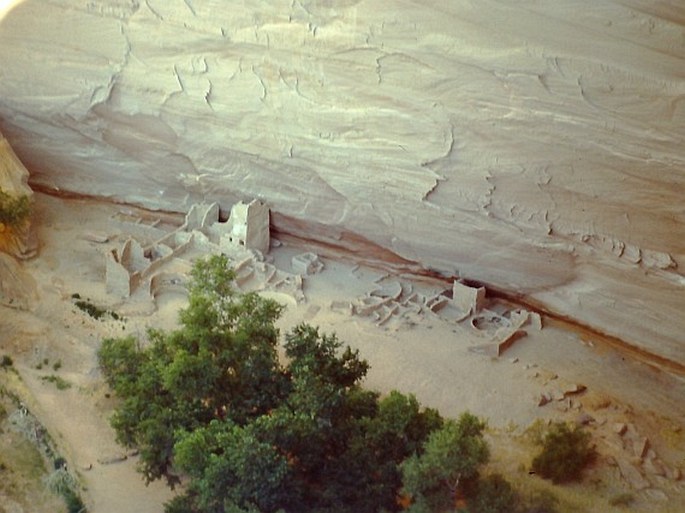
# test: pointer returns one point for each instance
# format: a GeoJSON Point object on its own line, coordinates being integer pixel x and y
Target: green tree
{"type": "Point", "coordinates": [230, 467]}
{"type": "Point", "coordinates": [452, 455]}
{"type": "Point", "coordinates": [565, 452]}
{"type": "Point", "coordinates": [222, 363]}
{"type": "Point", "coordinates": [320, 422]}
{"type": "Point", "coordinates": [210, 401]}
{"type": "Point", "coordinates": [398, 431]}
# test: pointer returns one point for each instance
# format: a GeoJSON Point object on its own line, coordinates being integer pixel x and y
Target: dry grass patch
{"type": "Point", "coordinates": [22, 467]}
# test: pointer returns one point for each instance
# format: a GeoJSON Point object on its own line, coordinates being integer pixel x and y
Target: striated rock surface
{"type": "Point", "coordinates": [537, 147]}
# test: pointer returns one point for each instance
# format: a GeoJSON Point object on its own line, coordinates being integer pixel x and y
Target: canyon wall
{"type": "Point", "coordinates": [537, 147]}
{"type": "Point", "coordinates": [16, 238]}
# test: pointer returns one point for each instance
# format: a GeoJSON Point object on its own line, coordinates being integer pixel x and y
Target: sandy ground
{"type": "Point", "coordinates": [425, 354]}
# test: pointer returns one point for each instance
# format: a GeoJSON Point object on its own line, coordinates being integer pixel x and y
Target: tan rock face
{"type": "Point", "coordinates": [15, 236]}
{"type": "Point", "coordinates": [536, 147]}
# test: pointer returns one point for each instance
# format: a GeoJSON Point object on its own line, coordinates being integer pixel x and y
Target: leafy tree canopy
{"type": "Point", "coordinates": [452, 455]}
{"type": "Point", "coordinates": [212, 403]}
{"type": "Point", "coordinates": [221, 364]}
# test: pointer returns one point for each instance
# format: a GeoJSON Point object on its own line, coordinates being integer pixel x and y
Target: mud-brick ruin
{"type": "Point", "coordinates": [142, 270]}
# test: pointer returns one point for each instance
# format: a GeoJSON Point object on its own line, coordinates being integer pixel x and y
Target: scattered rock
{"type": "Point", "coordinates": [641, 447]}
{"type": "Point", "coordinates": [514, 360]}
{"type": "Point", "coordinates": [632, 474]}
{"type": "Point", "coordinates": [584, 419]}
{"type": "Point", "coordinates": [543, 399]}
{"type": "Point", "coordinates": [620, 428]}
{"type": "Point", "coordinates": [97, 237]}
{"type": "Point", "coordinates": [674, 474]}
{"type": "Point", "coordinates": [558, 395]}
{"type": "Point", "coordinates": [575, 389]}
{"type": "Point", "coordinates": [653, 465]}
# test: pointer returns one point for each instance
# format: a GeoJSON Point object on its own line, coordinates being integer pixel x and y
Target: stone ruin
{"type": "Point", "coordinates": [145, 271]}
{"type": "Point", "coordinates": [306, 264]}
{"type": "Point", "coordinates": [248, 226]}
{"type": "Point", "coordinates": [502, 329]}
{"type": "Point", "coordinates": [467, 306]}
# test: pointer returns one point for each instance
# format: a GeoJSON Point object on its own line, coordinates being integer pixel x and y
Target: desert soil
{"type": "Point", "coordinates": [429, 355]}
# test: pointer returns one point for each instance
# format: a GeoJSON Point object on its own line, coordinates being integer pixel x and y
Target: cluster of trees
{"type": "Point", "coordinates": [212, 402]}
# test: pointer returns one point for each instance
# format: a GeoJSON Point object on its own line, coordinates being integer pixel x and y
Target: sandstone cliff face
{"type": "Point", "coordinates": [17, 288]}
{"type": "Point", "coordinates": [15, 237]}
{"type": "Point", "coordinates": [534, 146]}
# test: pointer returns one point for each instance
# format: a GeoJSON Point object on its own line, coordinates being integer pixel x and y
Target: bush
{"type": "Point", "coordinates": [94, 311]}
{"type": "Point", "coordinates": [494, 494]}
{"type": "Point", "coordinates": [73, 501]}
{"type": "Point", "coordinates": [566, 451]}
{"type": "Point", "coordinates": [13, 210]}
{"type": "Point", "coordinates": [59, 382]}
{"type": "Point", "coordinates": [6, 361]}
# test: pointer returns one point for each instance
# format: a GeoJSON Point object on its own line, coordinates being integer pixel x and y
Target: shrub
{"type": "Point", "coordinates": [59, 382]}
{"type": "Point", "coordinates": [73, 501]}
{"type": "Point", "coordinates": [13, 210]}
{"type": "Point", "coordinates": [94, 311]}
{"type": "Point", "coordinates": [6, 361]}
{"type": "Point", "coordinates": [566, 451]}
{"type": "Point", "coordinates": [494, 494]}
